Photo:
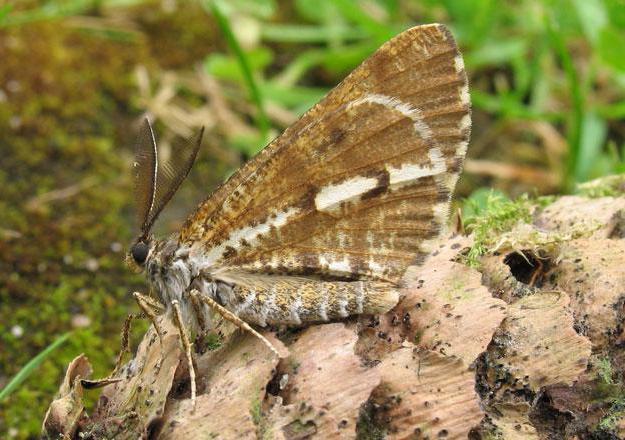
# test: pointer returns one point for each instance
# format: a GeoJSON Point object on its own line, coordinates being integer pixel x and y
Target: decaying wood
{"type": "Point", "coordinates": [507, 351]}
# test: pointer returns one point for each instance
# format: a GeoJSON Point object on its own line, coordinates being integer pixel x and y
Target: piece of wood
{"type": "Point", "coordinates": [465, 352]}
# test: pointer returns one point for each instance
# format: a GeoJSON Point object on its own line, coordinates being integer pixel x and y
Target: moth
{"type": "Point", "coordinates": [323, 222]}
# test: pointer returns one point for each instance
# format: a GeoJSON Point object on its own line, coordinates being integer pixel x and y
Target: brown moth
{"type": "Point", "coordinates": [323, 222]}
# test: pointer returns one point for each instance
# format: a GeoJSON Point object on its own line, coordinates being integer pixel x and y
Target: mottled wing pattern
{"type": "Point", "coordinates": [357, 186]}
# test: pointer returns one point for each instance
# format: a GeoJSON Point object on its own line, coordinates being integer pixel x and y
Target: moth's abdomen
{"type": "Point", "coordinates": [296, 302]}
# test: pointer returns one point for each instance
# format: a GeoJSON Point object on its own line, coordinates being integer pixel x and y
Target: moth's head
{"type": "Point", "coordinates": [140, 250]}
{"type": "Point", "coordinates": [155, 185]}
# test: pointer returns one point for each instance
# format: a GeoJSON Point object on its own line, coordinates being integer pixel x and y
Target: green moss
{"type": "Point", "coordinates": [367, 427]}
{"type": "Point", "coordinates": [611, 391]}
{"type": "Point", "coordinates": [615, 414]}
{"type": "Point", "coordinates": [263, 431]}
{"type": "Point", "coordinates": [294, 365]}
{"type": "Point", "coordinates": [604, 370]}
{"type": "Point", "coordinates": [488, 214]}
{"type": "Point", "coordinates": [492, 435]}
{"type": "Point", "coordinates": [256, 412]}
{"type": "Point", "coordinates": [213, 341]}
{"type": "Point", "coordinates": [56, 260]}
{"type": "Point", "coordinates": [417, 337]}
{"type": "Point", "coordinates": [68, 99]}
{"type": "Point", "coordinates": [608, 386]}
{"type": "Point", "coordinates": [608, 186]}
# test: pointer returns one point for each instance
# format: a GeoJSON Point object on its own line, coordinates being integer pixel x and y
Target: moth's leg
{"type": "Point", "coordinates": [229, 316]}
{"type": "Point", "coordinates": [144, 302]}
{"type": "Point", "coordinates": [125, 345]}
{"type": "Point", "coordinates": [197, 308]}
{"type": "Point", "coordinates": [186, 344]}
{"type": "Point", "coordinates": [148, 301]}
{"type": "Point", "coordinates": [151, 309]}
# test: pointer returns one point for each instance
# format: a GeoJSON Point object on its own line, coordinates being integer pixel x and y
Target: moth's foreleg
{"type": "Point", "coordinates": [125, 343]}
{"type": "Point", "coordinates": [156, 306]}
{"type": "Point", "coordinates": [229, 316]}
{"type": "Point", "coordinates": [151, 309]}
{"type": "Point", "coordinates": [125, 348]}
{"type": "Point", "coordinates": [186, 344]}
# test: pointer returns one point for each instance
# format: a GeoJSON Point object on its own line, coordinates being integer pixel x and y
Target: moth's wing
{"type": "Point", "coordinates": [358, 185]}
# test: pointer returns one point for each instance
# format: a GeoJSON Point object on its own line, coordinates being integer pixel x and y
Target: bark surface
{"type": "Point", "coordinates": [528, 346]}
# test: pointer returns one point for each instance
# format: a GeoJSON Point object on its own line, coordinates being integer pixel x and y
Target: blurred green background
{"type": "Point", "coordinates": [76, 77]}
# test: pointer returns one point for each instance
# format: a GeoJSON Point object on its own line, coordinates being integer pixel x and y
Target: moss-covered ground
{"type": "Point", "coordinates": [61, 259]}
{"type": "Point", "coordinates": [67, 106]}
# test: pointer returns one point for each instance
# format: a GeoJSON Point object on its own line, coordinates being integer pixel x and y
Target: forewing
{"type": "Point", "coordinates": [357, 185]}
{"type": "Point", "coordinates": [144, 173]}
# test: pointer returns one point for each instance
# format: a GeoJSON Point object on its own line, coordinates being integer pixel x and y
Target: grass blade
{"type": "Point", "coordinates": [46, 12]}
{"type": "Point", "coordinates": [574, 131]}
{"type": "Point", "coordinates": [592, 138]}
{"type": "Point", "coordinates": [4, 11]}
{"type": "Point", "coordinates": [30, 367]}
{"type": "Point", "coordinates": [254, 90]}
{"type": "Point", "coordinates": [285, 33]}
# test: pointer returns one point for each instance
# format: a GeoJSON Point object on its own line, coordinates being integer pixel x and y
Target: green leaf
{"type": "Point", "coordinates": [285, 33]}
{"type": "Point", "coordinates": [48, 11]}
{"type": "Point", "coordinates": [297, 98]}
{"type": "Point", "coordinates": [257, 8]}
{"type": "Point", "coordinates": [342, 61]}
{"type": "Point", "coordinates": [616, 12]}
{"type": "Point", "coordinates": [496, 52]}
{"type": "Point", "coordinates": [578, 97]}
{"type": "Point", "coordinates": [593, 134]}
{"type": "Point", "coordinates": [592, 17]}
{"type": "Point", "coordinates": [610, 47]}
{"type": "Point", "coordinates": [478, 203]}
{"type": "Point", "coordinates": [249, 145]}
{"type": "Point", "coordinates": [30, 367]}
{"type": "Point", "coordinates": [564, 18]}
{"type": "Point", "coordinates": [229, 68]}
{"type": "Point", "coordinates": [314, 10]}
{"type": "Point", "coordinates": [612, 111]}
{"type": "Point", "coordinates": [509, 106]}
{"type": "Point", "coordinates": [473, 19]}
{"type": "Point", "coordinates": [56, 10]}
{"type": "Point", "coordinates": [539, 94]}
{"type": "Point", "coordinates": [4, 11]}
{"type": "Point", "coordinates": [297, 68]}
{"type": "Point", "coordinates": [357, 15]}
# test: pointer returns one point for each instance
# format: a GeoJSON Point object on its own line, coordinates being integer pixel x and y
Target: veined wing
{"type": "Point", "coordinates": [356, 186]}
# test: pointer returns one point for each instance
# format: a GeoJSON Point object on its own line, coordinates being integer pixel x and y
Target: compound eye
{"type": "Point", "coordinates": [139, 252]}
